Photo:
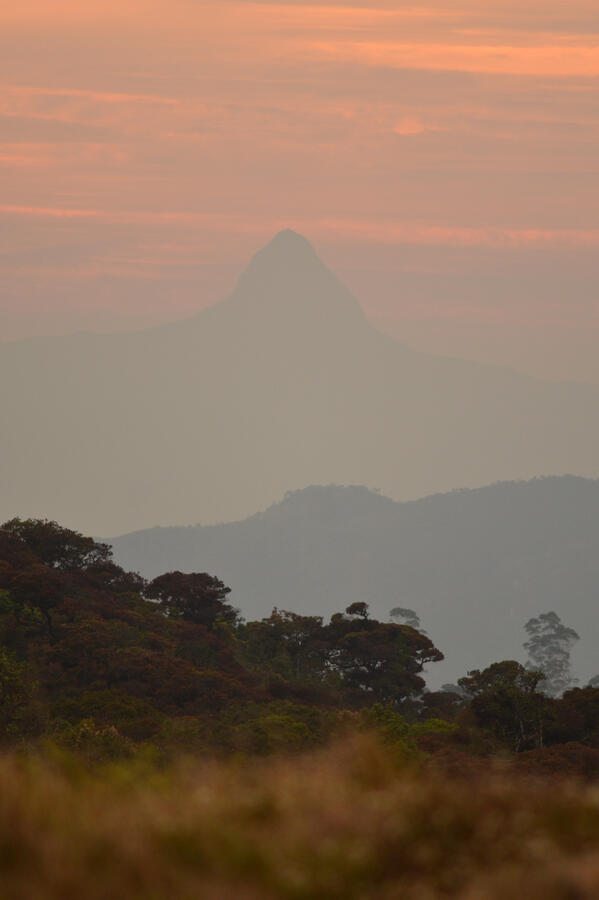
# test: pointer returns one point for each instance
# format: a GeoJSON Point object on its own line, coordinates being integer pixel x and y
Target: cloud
{"type": "Point", "coordinates": [396, 232]}
{"type": "Point", "coordinates": [412, 125]}
{"type": "Point", "coordinates": [552, 60]}
{"type": "Point", "coordinates": [46, 129]}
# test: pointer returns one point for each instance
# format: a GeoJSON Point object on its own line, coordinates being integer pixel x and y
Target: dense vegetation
{"type": "Point", "coordinates": [100, 661]}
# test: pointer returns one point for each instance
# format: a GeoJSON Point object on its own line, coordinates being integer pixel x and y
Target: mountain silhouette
{"type": "Point", "coordinates": [475, 565]}
{"type": "Point", "coordinates": [281, 385]}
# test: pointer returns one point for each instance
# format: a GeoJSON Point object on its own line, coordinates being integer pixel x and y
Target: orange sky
{"type": "Point", "coordinates": [442, 157]}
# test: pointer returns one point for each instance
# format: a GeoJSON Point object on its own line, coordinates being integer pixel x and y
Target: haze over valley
{"type": "Point", "coordinates": [282, 385]}
{"type": "Point", "coordinates": [474, 565]}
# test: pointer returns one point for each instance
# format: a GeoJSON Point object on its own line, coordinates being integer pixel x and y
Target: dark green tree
{"type": "Point", "coordinates": [16, 690]}
{"type": "Point", "coordinates": [506, 701]}
{"type": "Point", "coordinates": [577, 716]}
{"type": "Point", "coordinates": [289, 644]}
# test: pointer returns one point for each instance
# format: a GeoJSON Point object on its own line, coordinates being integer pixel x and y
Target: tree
{"type": "Point", "coordinates": [57, 547]}
{"type": "Point", "coordinates": [195, 597]}
{"type": "Point", "coordinates": [548, 645]}
{"type": "Point", "coordinates": [505, 700]}
{"type": "Point", "coordinates": [289, 644]}
{"type": "Point", "coordinates": [441, 704]}
{"type": "Point", "coordinates": [577, 716]}
{"type": "Point", "coordinates": [106, 575]}
{"type": "Point", "coordinates": [358, 609]}
{"type": "Point", "coordinates": [380, 658]}
{"type": "Point", "coordinates": [405, 616]}
{"type": "Point", "coordinates": [16, 690]}
{"type": "Point", "coordinates": [37, 587]}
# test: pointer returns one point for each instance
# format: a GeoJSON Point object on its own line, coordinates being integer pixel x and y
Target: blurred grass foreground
{"type": "Point", "coordinates": [353, 820]}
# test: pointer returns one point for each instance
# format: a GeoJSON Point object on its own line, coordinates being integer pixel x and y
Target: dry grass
{"type": "Point", "coordinates": [348, 822]}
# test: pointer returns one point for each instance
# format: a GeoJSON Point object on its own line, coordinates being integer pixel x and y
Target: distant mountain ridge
{"type": "Point", "coordinates": [474, 564]}
{"type": "Point", "coordinates": [283, 384]}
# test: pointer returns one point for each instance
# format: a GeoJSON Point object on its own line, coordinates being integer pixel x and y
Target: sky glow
{"type": "Point", "coordinates": [442, 158]}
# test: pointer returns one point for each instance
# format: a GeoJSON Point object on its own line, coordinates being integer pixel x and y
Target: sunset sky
{"type": "Point", "coordinates": [442, 158]}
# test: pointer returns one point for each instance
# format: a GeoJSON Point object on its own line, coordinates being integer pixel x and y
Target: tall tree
{"type": "Point", "coordinates": [404, 616]}
{"type": "Point", "coordinates": [549, 644]}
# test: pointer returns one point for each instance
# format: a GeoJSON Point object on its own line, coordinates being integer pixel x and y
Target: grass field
{"type": "Point", "coordinates": [351, 821]}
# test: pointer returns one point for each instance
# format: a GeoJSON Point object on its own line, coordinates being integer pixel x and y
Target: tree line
{"type": "Point", "coordinates": [102, 661]}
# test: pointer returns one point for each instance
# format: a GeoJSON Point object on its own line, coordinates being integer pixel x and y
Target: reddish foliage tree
{"type": "Point", "coordinates": [194, 597]}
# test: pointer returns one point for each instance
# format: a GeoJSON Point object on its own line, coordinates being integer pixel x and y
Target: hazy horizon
{"type": "Point", "coordinates": [542, 355]}
{"type": "Point", "coordinates": [524, 547]}
{"type": "Point", "coordinates": [281, 385]}
{"type": "Point", "coordinates": [380, 323]}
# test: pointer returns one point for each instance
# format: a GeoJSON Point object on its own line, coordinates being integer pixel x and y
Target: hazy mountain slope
{"type": "Point", "coordinates": [283, 384]}
{"type": "Point", "coordinates": [474, 564]}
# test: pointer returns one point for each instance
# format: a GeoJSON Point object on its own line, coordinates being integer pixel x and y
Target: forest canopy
{"type": "Point", "coordinates": [102, 661]}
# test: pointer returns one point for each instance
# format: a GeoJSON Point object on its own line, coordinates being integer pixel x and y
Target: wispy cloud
{"type": "Point", "coordinates": [551, 60]}
{"type": "Point", "coordinates": [200, 127]}
{"type": "Point", "coordinates": [396, 232]}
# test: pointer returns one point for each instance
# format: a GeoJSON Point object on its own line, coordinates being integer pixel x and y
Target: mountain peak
{"type": "Point", "coordinates": [287, 247]}
{"type": "Point", "coordinates": [287, 278]}
{"type": "Point", "coordinates": [286, 260]}
{"type": "Point", "coordinates": [289, 238]}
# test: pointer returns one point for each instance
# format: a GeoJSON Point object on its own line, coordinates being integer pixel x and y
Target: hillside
{"type": "Point", "coordinates": [282, 385]}
{"type": "Point", "coordinates": [474, 564]}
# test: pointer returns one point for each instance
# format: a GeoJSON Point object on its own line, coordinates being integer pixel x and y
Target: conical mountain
{"type": "Point", "coordinates": [281, 385]}
{"type": "Point", "coordinates": [287, 275]}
